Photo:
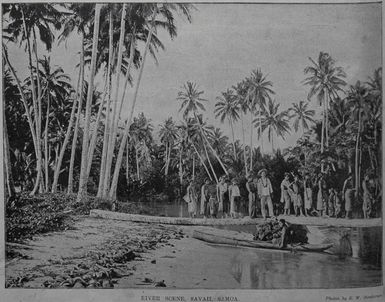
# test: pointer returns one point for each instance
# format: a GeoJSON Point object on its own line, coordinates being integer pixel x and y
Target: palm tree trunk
{"type": "Point", "coordinates": [108, 109]}
{"type": "Point", "coordinates": [83, 181]}
{"type": "Point", "coordinates": [165, 159]}
{"type": "Point", "coordinates": [327, 120]}
{"type": "Point", "coordinates": [202, 161]}
{"type": "Point", "coordinates": [357, 153]}
{"type": "Point", "coordinates": [46, 159]}
{"type": "Point", "coordinates": [168, 159]}
{"type": "Point", "coordinates": [132, 53]}
{"type": "Point", "coordinates": [180, 169]}
{"type": "Point", "coordinates": [7, 162]}
{"type": "Point", "coordinates": [208, 159]}
{"type": "Point", "coordinates": [115, 116]}
{"type": "Point", "coordinates": [137, 162]}
{"type": "Point", "coordinates": [260, 132]}
{"type": "Point", "coordinates": [66, 140]}
{"type": "Point", "coordinates": [251, 140]}
{"type": "Point", "coordinates": [36, 112]}
{"type": "Point", "coordinates": [91, 148]}
{"type": "Point", "coordinates": [24, 100]}
{"type": "Point", "coordinates": [232, 133]}
{"type": "Point", "coordinates": [193, 170]}
{"type": "Point", "coordinates": [118, 163]}
{"type": "Point", "coordinates": [79, 96]}
{"type": "Point", "coordinates": [244, 145]}
{"type": "Point", "coordinates": [127, 171]}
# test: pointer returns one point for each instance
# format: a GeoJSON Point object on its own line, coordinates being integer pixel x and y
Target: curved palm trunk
{"type": "Point", "coordinates": [92, 145]}
{"type": "Point", "coordinates": [66, 140]}
{"type": "Point", "coordinates": [108, 109]}
{"type": "Point", "coordinates": [76, 130]}
{"type": "Point", "coordinates": [46, 159]}
{"type": "Point", "coordinates": [24, 100]}
{"type": "Point", "coordinates": [137, 163]}
{"type": "Point", "coordinates": [115, 116]}
{"type": "Point", "coordinates": [202, 161]}
{"type": "Point", "coordinates": [119, 159]}
{"type": "Point", "coordinates": [7, 162]}
{"type": "Point", "coordinates": [180, 169]}
{"type": "Point", "coordinates": [208, 159]}
{"type": "Point", "coordinates": [232, 133]}
{"type": "Point", "coordinates": [83, 181]}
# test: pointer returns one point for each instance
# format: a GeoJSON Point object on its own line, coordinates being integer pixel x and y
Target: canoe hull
{"type": "Point", "coordinates": [238, 241]}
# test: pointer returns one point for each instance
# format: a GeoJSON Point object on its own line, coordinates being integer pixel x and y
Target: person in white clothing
{"type": "Point", "coordinates": [264, 191]}
{"type": "Point", "coordinates": [235, 197]}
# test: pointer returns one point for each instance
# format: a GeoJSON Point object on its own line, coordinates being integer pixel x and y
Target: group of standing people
{"type": "Point", "coordinates": [224, 199]}
{"type": "Point", "coordinates": [328, 201]}
{"type": "Point", "coordinates": [306, 196]}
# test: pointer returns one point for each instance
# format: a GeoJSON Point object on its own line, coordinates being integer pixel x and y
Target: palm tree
{"type": "Point", "coordinates": [228, 108]}
{"type": "Point", "coordinates": [79, 20]}
{"type": "Point", "coordinates": [276, 121]}
{"type": "Point", "coordinates": [191, 100]}
{"type": "Point", "coordinates": [141, 137]}
{"type": "Point", "coordinates": [259, 91]}
{"type": "Point", "coordinates": [24, 21]}
{"type": "Point", "coordinates": [168, 134]}
{"type": "Point", "coordinates": [153, 9]}
{"type": "Point", "coordinates": [326, 80]}
{"type": "Point", "coordinates": [56, 87]}
{"type": "Point", "coordinates": [357, 98]}
{"type": "Point", "coordinates": [84, 161]}
{"type": "Point", "coordinates": [241, 93]}
{"type": "Point", "coordinates": [302, 115]}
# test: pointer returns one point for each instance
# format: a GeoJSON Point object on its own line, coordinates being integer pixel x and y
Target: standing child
{"type": "Point", "coordinates": [308, 194]}
{"type": "Point", "coordinates": [222, 189]}
{"type": "Point", "coordinates": [347, 193]}
{"type": "Point", "coordinates": [337, 205]}
{"type": "Point", "coordinates": [235, 198]}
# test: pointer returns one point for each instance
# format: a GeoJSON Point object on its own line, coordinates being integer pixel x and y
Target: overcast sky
{"type": "Point", "coordinates": [225, 42]}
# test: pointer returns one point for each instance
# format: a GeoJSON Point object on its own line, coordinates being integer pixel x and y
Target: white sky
{"type": "Point", "coordinates": [226, 41]}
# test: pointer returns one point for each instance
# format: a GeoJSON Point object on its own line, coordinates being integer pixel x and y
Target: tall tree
{"type": "Point", "coordinates": [166, 12]}
{"type": "Point", "coordinates": [168, 134]}
{"type": "Point", "coordinates": [259, 91]}
{"type": "Point", "coordinates": [326, 81]}
{"type": "Point", "coordinates": [228, 108]}
{"type": "Point", "coordinates": [275, 120]}
{"type": "Point", "coordinates": [84, 161]}
{"type": "Point", "coordinates": [302, 116]}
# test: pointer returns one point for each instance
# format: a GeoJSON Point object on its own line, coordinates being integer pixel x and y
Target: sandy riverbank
{"type": "Point", "coordinates": [122, 254]}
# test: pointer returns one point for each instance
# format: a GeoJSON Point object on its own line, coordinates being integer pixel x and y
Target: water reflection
{"type": "Point", "coordinates": [264, 270]}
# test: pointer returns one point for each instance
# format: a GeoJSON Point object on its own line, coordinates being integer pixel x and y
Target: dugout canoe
{"type": "Point", "coordinates": [316, 221]}
{"type": "Point", "coordinates": [240, 239]}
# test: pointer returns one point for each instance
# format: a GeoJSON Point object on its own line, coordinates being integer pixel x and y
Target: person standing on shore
{"type": "Point", "coordinates": [285, 197]}
{"type": "Point", "coordinates": [347, 193]}
{"type": "Point", "coordinates": [308, 194]}
{"type": "Point", "coordinates": [367, 197]}
{"type": "Point", "coordinates": [204, 198]}
{"type": "Point", "coordinates": [222, 189]}
{"type": "Point", "coordinates": [296, 194]}
{"type": "Point", "coordinates": [235, 198]}
{"type": "Point", "coordinates": [251, 189]}
{"type": "Point", "coordinates": [192, 199]}
{"type": "Point", "coordinates": [265, 194]}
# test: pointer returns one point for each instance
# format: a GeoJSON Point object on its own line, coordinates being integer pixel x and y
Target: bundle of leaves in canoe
{"type": "Point", "coordinates": [68, 132]}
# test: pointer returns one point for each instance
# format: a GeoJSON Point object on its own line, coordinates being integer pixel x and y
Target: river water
{"type": "Point", "coordinates": [266, 269]}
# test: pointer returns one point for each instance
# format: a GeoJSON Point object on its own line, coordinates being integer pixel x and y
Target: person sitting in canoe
{"type": "Point", "coordinates": [281, 233]}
